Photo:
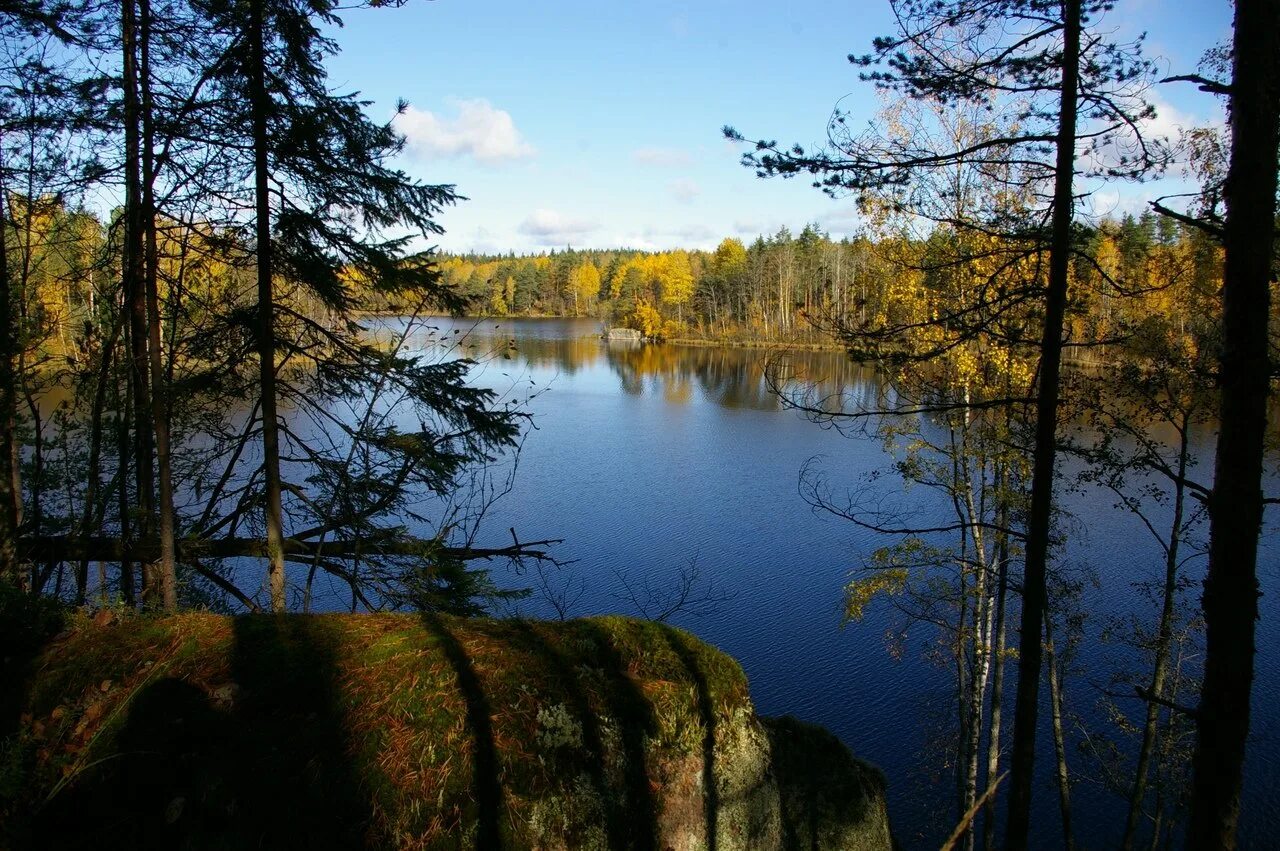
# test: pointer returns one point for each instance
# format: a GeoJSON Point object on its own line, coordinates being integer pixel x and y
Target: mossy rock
{"type": "Point", "coordinates": [828, 798]}
{"type": "Point", "coordinates": [402, 731]}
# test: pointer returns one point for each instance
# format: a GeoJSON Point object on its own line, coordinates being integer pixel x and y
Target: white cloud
{"type": "Point", "coordinates": [1121, 147]}
{"type": "Point", "coordinates": [1127, 200]}
{"type": "Point", "coordinates": [478, 130]}
{"type": "Point", "coordinates": [634, 241]}
{"type": "Point", "coordinates": [748, 230]}
{"type": "Point", "coordinates": [681, 236]}
{"type": "Point", "coordinates": [840, 222]}
{"type": "Point", "coordinates": [481, 240]}
{"type": "Point", "coordinates": [1104, 203]}
{"type": "Point", "coordinates": [661, 157]}
{"type": "Point", "coordinates": [695, 233]}
{"type": "Point", "coordinates": [684, 190]}
{"type": "Point", "coordinates": [548, 227]}
{"type": "Point", "coordinates": [1115, 199]}
{"type": "Point", "coordinates": [846, 213]}
{"type": "Point", "coordinates": [1169, 121]}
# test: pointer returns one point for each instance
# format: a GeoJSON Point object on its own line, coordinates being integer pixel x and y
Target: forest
{"type": "Point", "coordinates": [784, 288]}
{"type": "Point", "coordinates": [200, 412]}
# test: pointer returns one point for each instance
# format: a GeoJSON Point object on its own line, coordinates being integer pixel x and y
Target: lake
{"type": "Point", "coordinates": [649, 460]}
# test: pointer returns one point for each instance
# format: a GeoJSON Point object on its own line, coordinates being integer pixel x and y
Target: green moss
{"type": "Point", "coordinates": [390, 731]}
{"type": "Point", "coordinates": [829, 799]}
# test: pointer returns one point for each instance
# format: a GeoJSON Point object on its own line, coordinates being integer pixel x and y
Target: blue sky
{"type": "Point", "coordinates": [597, 124]}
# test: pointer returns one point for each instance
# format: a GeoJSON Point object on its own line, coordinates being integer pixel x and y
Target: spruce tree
{"type": "Point", "coordinates": [335, 219]}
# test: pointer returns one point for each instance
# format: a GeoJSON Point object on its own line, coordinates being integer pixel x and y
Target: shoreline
{"type": "Point", "coordinates": [778, 345]}
{"type": "Point", "coordinates": [706, 342]}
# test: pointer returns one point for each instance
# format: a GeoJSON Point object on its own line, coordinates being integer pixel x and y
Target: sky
{"type": "Point", "coordinates": [597, 124]}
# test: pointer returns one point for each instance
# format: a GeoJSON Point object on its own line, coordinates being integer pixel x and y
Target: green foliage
{"type": "Point", "coordinates": [387, 431]}
{"type": "Point", "coordinates": [859, 593]}
{"type": "Point", "coordinates": [436, 582]}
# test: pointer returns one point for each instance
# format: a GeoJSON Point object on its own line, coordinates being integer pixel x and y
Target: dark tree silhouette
{"type": "Point", "coordinates": [1236, 502]}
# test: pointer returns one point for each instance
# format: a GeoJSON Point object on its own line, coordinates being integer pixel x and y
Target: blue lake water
{"type": "Point", "coordinates": [649, 460]}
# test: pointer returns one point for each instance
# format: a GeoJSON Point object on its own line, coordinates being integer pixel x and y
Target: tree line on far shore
{"type": "Point", "coordinates": [790, 287]}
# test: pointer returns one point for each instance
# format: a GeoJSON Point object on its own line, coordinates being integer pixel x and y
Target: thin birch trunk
{"type": "Point", "coordinates": [91, 519]}
{"type": "Point", "coordinates": [1062, 775]}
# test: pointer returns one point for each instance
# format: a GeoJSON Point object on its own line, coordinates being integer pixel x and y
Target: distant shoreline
{"type": "Point", "coordinates": [734, 343]}
{"type": "Point", "coordinates": [713, 342]}
{"type": "Point", "coordinates": [705, 342]}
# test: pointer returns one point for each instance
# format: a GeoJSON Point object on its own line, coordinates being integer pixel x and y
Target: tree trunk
{"type": "Point", "coordinates": [34, 521]}
{"type": "Point", "coordinates": [167, 573]}
{"type": "Point", "coordinates": [997, 673]}
{"type": "Point", "coordinates": [10, 471]}
{"type": "Point", "coordinates": [1164, 642]}
{"type": "Point", "coordinates": [981, 623]}
{"type": "Point", "coordinates": [1169, 784]}
{"type": "Point", "coordinates": [90, 521]}
{"type": "Point", "coordinates": [1059, 740]}
{"type": "Point", "coordinates": [1230, 598]}
{"type": "Point", "coordinates": [1034, 596]}
{"type": "Point", "coordinates": [127, 593]}
{"type": "Point", "coordinates": [133, 267]}
{"type": "Point", "coordinates": [983, 631]}
{"type": "Point", "coordinates": [260, 106]}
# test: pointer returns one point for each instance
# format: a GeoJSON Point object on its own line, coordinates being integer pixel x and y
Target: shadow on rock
{"type": "Point", "coordinates": [259, 762]}
{"type": "Point", "coordinates": [828, 798]}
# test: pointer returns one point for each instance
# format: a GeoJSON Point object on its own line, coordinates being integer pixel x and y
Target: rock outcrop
{"type": "Point", "coordinates": [402, 731]}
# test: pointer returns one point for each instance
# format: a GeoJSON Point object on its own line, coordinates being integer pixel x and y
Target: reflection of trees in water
{"type": "Point", "coordinates": [484, 340]}
{"type": "Point", "coordinates": [657, 369]}
{"type": "Point", "coordinates": [728, 377]}
{"type": "Point", "coordinates": [827, 381]}
{"type": "Point", "coordinates": [733, 378]}
{"type": "Point", "coordinates": [565, 355]}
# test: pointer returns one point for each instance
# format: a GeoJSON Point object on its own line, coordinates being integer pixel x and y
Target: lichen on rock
{"type": "Point", "coordinates": [402, 731]}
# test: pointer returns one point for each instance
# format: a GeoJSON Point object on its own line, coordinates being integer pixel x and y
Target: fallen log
{"type": "Point", "coordinates": [70, 548]}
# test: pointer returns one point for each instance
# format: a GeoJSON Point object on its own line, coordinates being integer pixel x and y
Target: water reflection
{"type": "Point", "coordinates": [648, 457]}
{"type": "Point", "coordinates": [726, 377]}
